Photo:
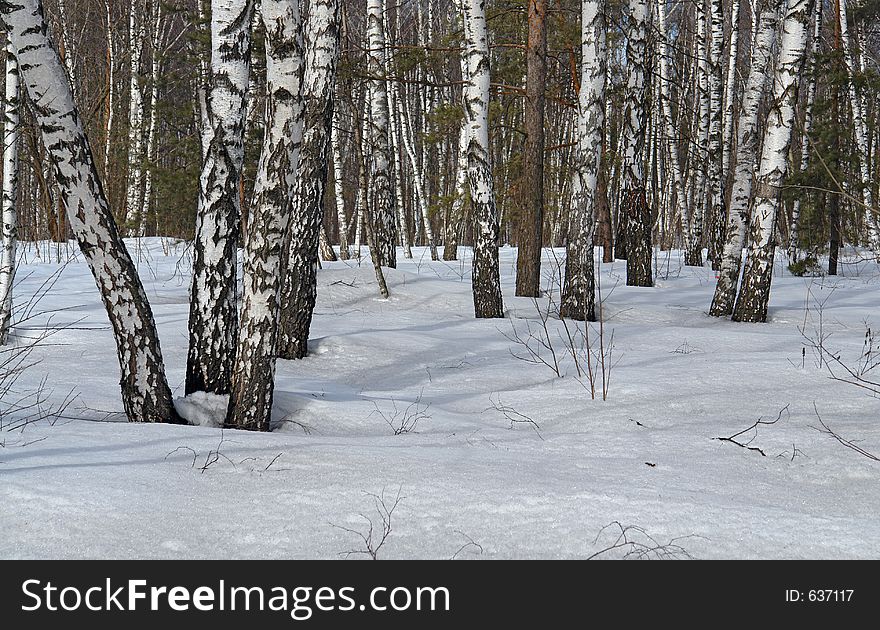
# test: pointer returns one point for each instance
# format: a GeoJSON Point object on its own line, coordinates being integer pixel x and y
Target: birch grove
{"type": "Point", "coordinates": [449, 136]}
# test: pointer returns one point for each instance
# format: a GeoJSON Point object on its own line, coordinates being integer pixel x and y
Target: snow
{"type": "Point", "coordinates": [203, 408]}
{"type": "Point", "coordinates": [88, 484]}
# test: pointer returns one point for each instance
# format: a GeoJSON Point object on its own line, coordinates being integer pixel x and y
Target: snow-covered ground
{"type": "Point", "coordinates": [472, 483]}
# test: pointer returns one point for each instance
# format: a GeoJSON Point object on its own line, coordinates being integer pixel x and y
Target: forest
{"type": "Point", "coordinates": [548, 278]}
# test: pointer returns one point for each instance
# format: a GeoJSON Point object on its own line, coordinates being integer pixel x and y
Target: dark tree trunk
{"type": "Point", "coordinates": [530, 238]}
{"type": "Point", "coordinates": [638, 240]}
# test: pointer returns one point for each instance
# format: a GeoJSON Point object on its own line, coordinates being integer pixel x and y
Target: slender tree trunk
{"type": "Point", "coordinates": [338, 188]}
{"type": "Point", "coordinates": [635, 209]}
{"type": "Point", "coordinates": [861, 133]}
{"type": "Point", "coordinates": [754, 295]}
{"type": "Point", "coordinates": [213, 317]}
{"type": "Point", "coordinates": [134, 185]}
{"type": "Point", "coordinates": [531, 220]}
{"type": "Point", "coordinates": [486, 280]}
{"type": "Point", "coordinates": [808, 125]}
{"type": "Point", "coordinates": [715, 164]}
{"type": "Point", "coordinates": [760, 72]}
{"type": "Point", "coordinates": [150, 153]}
{"type": "Point", "coordinates": [455, 217]}
{"type": "Point", "coordinates": [299, 284]}
{"type": "Point", "coordinates": [578, 297]}
{"type": "Point", "coordinates": [9, 216]}
{"type": "Point", "coordinates": [381, 195]}
{"type": "Point", "coordinates": [146, 396]}
{"type": "Point", "coordinates": [253, 382]}
{"type": "Point", "coordinates": [111, 86]}
{"type": "Point", "coordinates": [670, 129]}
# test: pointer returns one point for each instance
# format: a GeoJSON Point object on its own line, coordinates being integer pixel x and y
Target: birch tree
{"type": "Point", "coordinates": [861, 133]}
{"type": "Point", "coordinates": [134, 187]}
{"type": "Point", "coordinates": [9, 198]}
{"type": "Point", "coordinates": [299, 283]}
{"type": "Point", "coordinates": [638, 220]}
{"type": "Point", "coordinates": [754, 294]}
{"type": "Point", "coordinates": [381, 201]}
{"type": "Point", "coordinates": [812, 84]}
{"type": "Point", "coordinates": [213, 319]}
{"type": "Point", "coordinates": [748, 136]}
{"type": "Point", "coordinates": [146, 396]}
{"type": "Point", "coordinates": [250, 405]}
{"type": "Point", "coordinates": [578, 301]}
{"type": "Point", "coordinates": [486, 279]}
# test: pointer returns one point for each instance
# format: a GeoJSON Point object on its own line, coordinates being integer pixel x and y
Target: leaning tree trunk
{"type": "Point", "coordinates": [299, 283]}
{"type": "Point", "coordinates": [8, 214]}
{"type": "Point", "coordinates": [760, 72]}
{"type": "Point", "coordinates": [253, 380]}
{"type": "Point", "coordinates": [486, 279]}
{"type": "Point", "coordinates": [578, 297]}
{"type": "Point", "coordinates": [213, 318]}
{"type": "Point", "coordinates": [145, 393]}
{"type": "Point", "coordinates": [531, 220]}
{"type": "Point", "coordinates": [754, 295]}
{"type": "Point", "coordinates": [638, 221]}
{"type": "Point", "coordinates": [381, 201]}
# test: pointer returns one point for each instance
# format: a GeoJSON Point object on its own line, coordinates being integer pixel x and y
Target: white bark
{"type": "Point", "coordinates": [672, 135]}
{"type": "Point", "coordinates": [730, 90]}
{"type": "Point", "coordinates": [578, 293]}
{"type": "Point", "coordinates": [861, 133]}
{"type": "Point", "coordinates": [486, 277]}
{"type": "Point", "coordinates": [808, 126]}
{"type": "Point", "coordinates": [339, 192]}
{"type": "Point", "coordinates": [250, 405]}
{"type": "Point", "coordinates": [145, 392]}
{"type": "Point", "coordinates": [213, 327]}
{"type": "Point", "coordinates": [8, 214]}
{"type": "Point", "coordinates": [751, 303]}
{"type": "Point", "coordinates": [381, 202]}
{"type": "Point", "coordinates": [155, 70]}
{"type": "Point", "coordinates": [748, 136]}
{"type": "Point", "coordinates": [134, 185]}
{"type": "Point", "coordinates": [111, 84]}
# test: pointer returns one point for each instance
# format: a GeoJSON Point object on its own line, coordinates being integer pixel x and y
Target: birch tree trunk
{"type": "Point", "coordinates": [455, 217]}
{"type": "Point", "coordinates": [578, 296]}
{"type": "Point", "coordinates": [486, 279]}
{"type": "Point", "coordinates": [111, 86]}
{"type": "Point", "coordinates": [754, 295]}
{"type": "Point", "coordinates": [715, 164]}
{"type": "Point", "coordinates": [146, 396]}
{"type": "Point", "coordinates": [9, 216]}
{"type": "Point", "coordinates": [748, 136]}
{"type": "Point", "coordinates": [253, 381]}
{"type": "Point", "coordinates": [381, 201]}
{"type": "Point", "coordinates": [299, 282]}
{"type": "Point", "coordinates": [338, 189]}
{"type": "Point", "coordinates": [730, 89]}
{"type": "Point", "coordinates": [155, 70]}
{"type": "Point", "coordinates": [531, 219]}
{"type": "Point", "coordinates": [213, 318]}
{"type": "Point", "coordinates": [808, 125]}
{"type": "Point", "coordinates": [635, 210]}
{"type": "Point", "coordinates": [861, 133]}
{"type": "Point", "coordinates": [670, 130]}
{"type": "Point", "coordinates": [134, 184]}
